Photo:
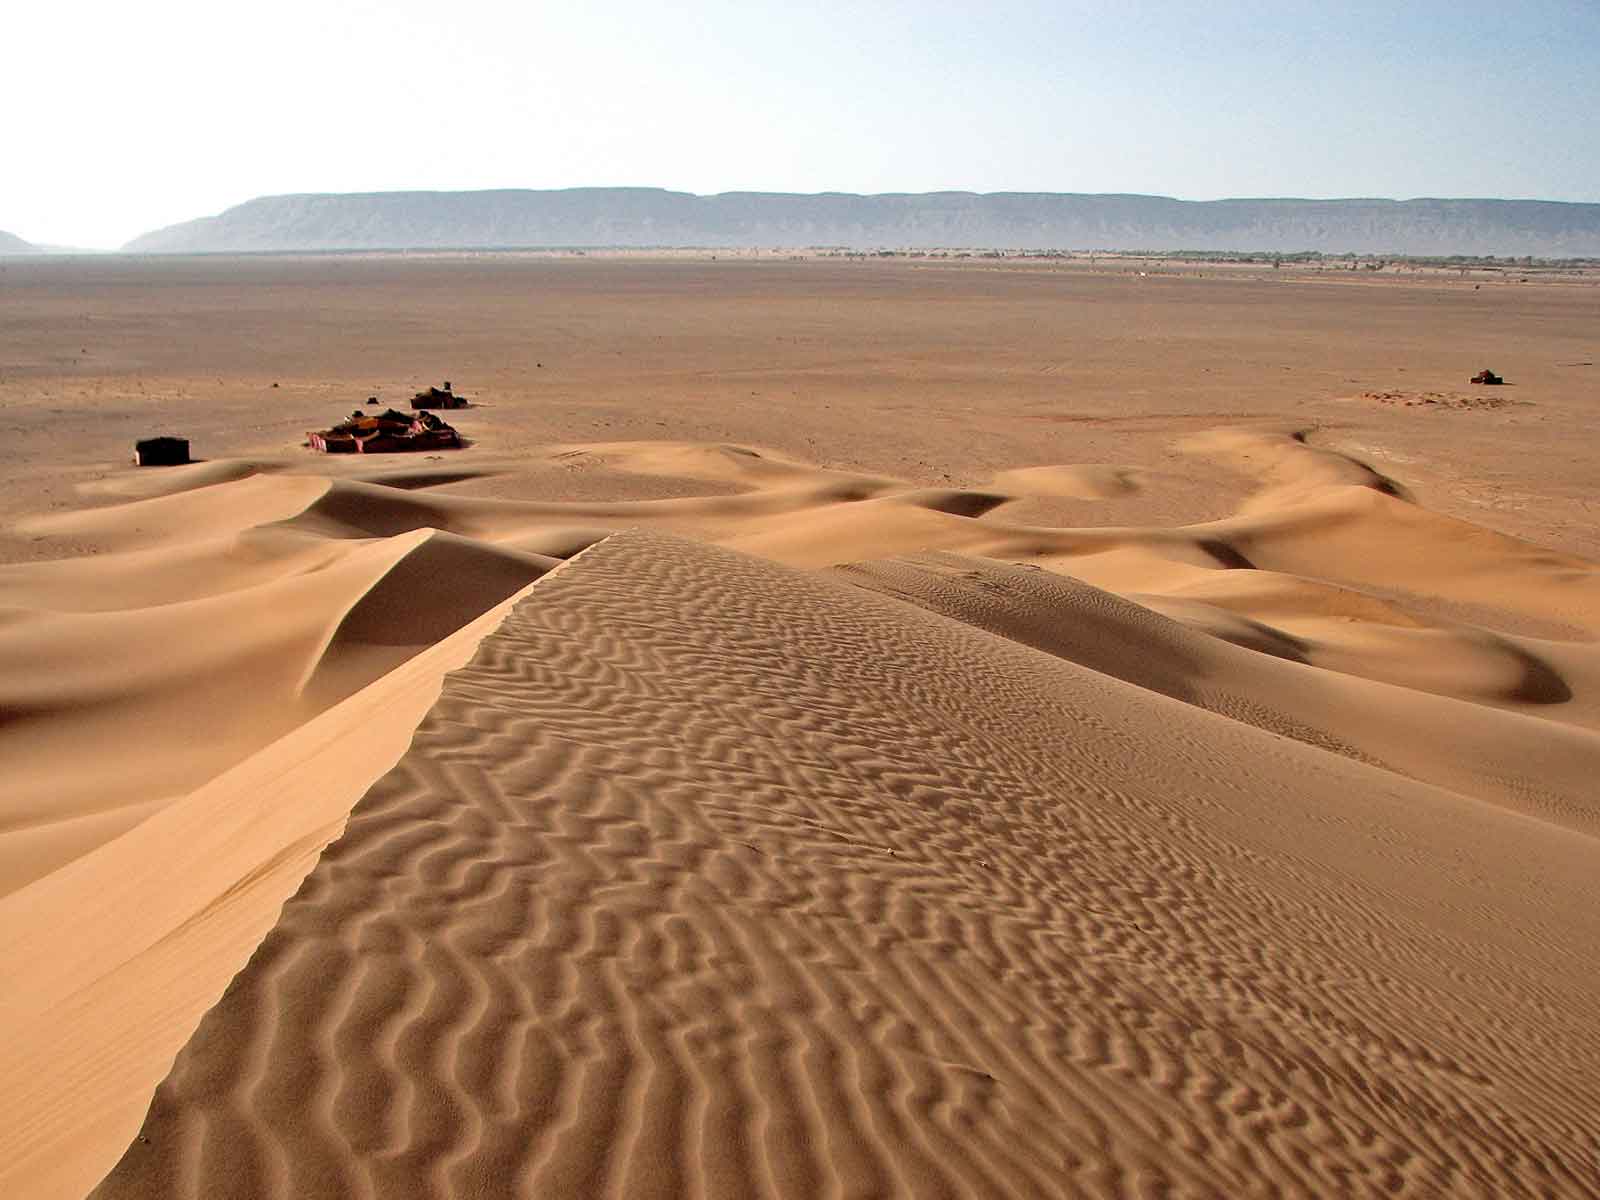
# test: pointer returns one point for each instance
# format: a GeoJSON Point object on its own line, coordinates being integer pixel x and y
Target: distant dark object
{"type": "Point", "coordinates": [161, 452]}
{"type": "Point", "coordinates": [386, 433]}
{"type": "Point", "coordinates": [438, 398]}
{"type": "Point", "coordinates": [1487, 376]}
{"type": "Point", "coordinates": [274, 385]}
{"type": "Point", "coordinates": [372, 399]}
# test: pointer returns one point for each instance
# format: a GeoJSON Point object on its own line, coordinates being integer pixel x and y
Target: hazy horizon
{"type": "Point", "coordinates": [167, 122]}
{"type": "Point", "coordinates": [81, 247]}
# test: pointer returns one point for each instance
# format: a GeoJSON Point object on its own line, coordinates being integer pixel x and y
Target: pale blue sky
{"type": "Point", "coordinates": [119, 118]}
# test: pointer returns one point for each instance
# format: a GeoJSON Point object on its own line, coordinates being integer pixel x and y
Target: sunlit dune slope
{"type": "Point", "coordinates": [111, 712]}
{"type": "Point", "coordinates": [707, 877]}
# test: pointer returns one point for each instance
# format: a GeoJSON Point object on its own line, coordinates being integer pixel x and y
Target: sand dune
{"type": "Point", "coordinates": [1269, 681]}
{"type": "Point", "coordinates": [162, 916]}
{"type": "Point", "coordinates": [169, 694]}
{"type": "Point", "coordinates": [819, 833]}
{"type": "Point", "coordinates": [711, 878]}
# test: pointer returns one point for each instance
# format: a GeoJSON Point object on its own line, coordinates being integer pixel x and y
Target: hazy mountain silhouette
{"type": "Point", "coordinates": [655, 217]}
{"type": "Point", "coordinates": [10, 243]}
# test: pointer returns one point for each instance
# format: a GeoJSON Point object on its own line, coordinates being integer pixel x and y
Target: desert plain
{"type": "Point", "coordinates": [841, 728]}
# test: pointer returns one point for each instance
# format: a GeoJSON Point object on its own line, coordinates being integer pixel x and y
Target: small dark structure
{"type": "Point", "coordinates": [385, 433]}
{"type": "Point", "coordinates": [438, 398]}
{"type": "Point", "coordinates": [161, 452]}
{"type": "Point", "coordinates": [1487, 376]}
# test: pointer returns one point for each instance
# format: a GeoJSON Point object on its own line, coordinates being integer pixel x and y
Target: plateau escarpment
{"type": "Point", "coordinates": [653, 217]}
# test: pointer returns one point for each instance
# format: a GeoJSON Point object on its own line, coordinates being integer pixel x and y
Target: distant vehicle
{"type": "Point", "coordinates": [438, 398]}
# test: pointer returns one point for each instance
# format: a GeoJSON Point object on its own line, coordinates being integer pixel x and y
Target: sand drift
{"type": "Point", "coordinates": [830, 837]}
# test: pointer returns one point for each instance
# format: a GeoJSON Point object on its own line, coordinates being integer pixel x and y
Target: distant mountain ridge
{"type": "Point", "coordinates": [653, 217]}
{"type": "Point", "coordinates": [10, 243]}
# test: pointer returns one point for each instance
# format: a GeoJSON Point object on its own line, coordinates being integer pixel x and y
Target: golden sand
{"type": "Point", "coordinates": [972, 785]}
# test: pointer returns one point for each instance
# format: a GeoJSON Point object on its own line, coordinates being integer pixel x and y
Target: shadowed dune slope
{"type": "Point", "coordinates": [708, 877]}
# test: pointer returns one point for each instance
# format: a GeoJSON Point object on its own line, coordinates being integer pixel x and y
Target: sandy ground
{"type": "Point", "coordinates": [842, 728]}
